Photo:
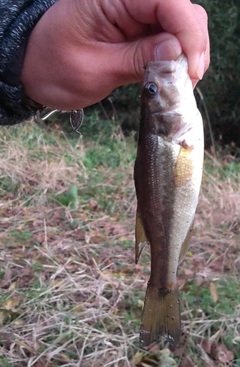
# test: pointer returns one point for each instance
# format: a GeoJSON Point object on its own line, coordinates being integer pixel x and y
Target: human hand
{"type": "Point", "coordinates": [80, 50]}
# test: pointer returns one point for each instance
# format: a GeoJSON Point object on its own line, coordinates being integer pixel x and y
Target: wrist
{"type": "Point", "coordinates": [17, 26]}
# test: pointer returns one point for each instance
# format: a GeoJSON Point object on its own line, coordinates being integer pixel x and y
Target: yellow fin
{"type": "Point", "coordinates": [140, 237]}
{"type": "Point", "coordinates": [161, 317]}
{"type": "Point", "coordinates": [184, 166]}
{"type": "Point", "coordinates": [185, 244]}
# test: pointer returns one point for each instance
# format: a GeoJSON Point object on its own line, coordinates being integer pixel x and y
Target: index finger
{"type": "Point", "coordinates": [184, 20]}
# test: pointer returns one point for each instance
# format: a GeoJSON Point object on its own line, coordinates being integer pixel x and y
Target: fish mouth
{"type": "Point", "coordinates": [170, 68]}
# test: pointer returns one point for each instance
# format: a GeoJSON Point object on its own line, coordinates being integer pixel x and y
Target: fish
{"type": "Point", "coordinates": [167, 174]}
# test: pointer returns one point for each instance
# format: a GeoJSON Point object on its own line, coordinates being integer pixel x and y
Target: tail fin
{"type": "Point", "coordinates": [161, 317]}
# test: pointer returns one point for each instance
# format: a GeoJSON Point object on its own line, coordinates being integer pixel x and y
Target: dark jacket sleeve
{"type": "Point", "coordinates": [17, 19]}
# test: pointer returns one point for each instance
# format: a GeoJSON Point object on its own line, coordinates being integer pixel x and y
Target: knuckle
{"type": "Point", "coordinates": [201, 13]}
{"type": "Point", "coordinates": [138, 61]}
{"type": "Point", "coordinates": [203, 25]}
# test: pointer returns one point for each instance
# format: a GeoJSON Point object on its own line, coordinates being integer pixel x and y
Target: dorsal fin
{"type": "Point", "coordinates": [185, 244]}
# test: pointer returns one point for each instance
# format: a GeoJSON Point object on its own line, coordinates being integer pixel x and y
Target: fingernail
{"type": "Point", "coordinates": [194, 82]}
{"type": "Point", "coordinates": [168, 50]}
{"type": "Point", "coordinates": [201, 66]}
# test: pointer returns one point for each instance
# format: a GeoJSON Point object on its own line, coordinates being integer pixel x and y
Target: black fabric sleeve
{"type": "Point", "coordinates": [17, 19]}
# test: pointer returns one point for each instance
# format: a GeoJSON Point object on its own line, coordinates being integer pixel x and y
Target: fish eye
{"type": "Point", "coordinates": [152, 88]}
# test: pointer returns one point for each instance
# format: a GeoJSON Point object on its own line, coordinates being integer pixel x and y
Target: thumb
{"type": "Point", "coordinates": [129, 58]}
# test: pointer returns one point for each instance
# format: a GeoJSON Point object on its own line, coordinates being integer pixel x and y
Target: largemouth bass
{"type": "Point", "coordinates": [167, 173]}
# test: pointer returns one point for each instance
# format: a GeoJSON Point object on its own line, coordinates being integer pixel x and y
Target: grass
{"type": "Point", "coordinates": [71, 294]}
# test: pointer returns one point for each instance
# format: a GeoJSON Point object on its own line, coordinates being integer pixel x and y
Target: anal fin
{"type": "Point", "coordinates": [140, 237]}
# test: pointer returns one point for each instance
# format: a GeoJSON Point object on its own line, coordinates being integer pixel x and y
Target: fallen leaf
{"type": "Point", "coordinates": [12, 303]}
{"type": "Point", "coordinates": [187, 362]}
{"type": "Point", "coordinates": [40, 237]}
{"type": "Point", "coordinates": [178, 352]}
{"type": "Point", "coordinates": [8, 275]}
{"type": "Point", "coordinates": [214, 350]}
{"type": "Point", "coordinates": [166, 360]}
{"type": "Point", "coordinates": [120, 364]}
{"type": "Point", "coordinates": [25, 276]}
{"type": "Point", "coordinates": [188, 272]}
{"type": "Point", "coordinates": [64, 358]}
{"type": "Point", "coordinates": [213, 292]}
{"type": "Point", "coordinates": [181, 283]}
{"type": "Point", "coordinates": [78, 308]}
{"type": "Point", "coordinates": [224, 355]}
{"type": "Point", "coordinates": [149, 360]}
{"type": "Point", "coordinates": [205, 357]}
{"type": "Point", "coordinates": [19, 322]}
{"type": "Point", "coordinates": [137, 358]}
{"type": "Point", "coordinates": [97, 239]}
{"type": "Point", "coordinates": [219, 352]}
{"type": "Point", "coordinates": [199, 279]}
{"type": "Point", "coordinates": [93, 204]}
{"type": "Point", "coordinates": [140, 303]}
{"type": "Point", "coordinates": [206, 345]}
{"type": "Point", "coordinates": [12, 286]}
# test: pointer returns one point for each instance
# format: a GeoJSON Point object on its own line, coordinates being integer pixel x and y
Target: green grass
{"type": "Point", "coordinates": [223, 170]}
{"type": "Point", "coordinates": [199, 300]}
{"type": "Point", "coordinates": [71, 293]}
{"type": "Point", "coordinates": [228, 291]}
{"type": "Point", "coordinates": [5, 363]}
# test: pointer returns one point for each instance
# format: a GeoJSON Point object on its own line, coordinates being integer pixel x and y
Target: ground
{"type": "Point", "coordinates": [71, 294]}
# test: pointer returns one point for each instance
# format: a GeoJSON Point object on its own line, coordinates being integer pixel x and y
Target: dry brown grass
{"type": "Point", "coordinates": [71, 294]}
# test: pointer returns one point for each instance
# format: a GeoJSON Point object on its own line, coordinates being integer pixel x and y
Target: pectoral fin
{"type": "Point", "coordinates": [185, 244]}
{"type": "Point", "coordinates": [141, 239]}
{"type": "Point", "coordinates": [184, 166]}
